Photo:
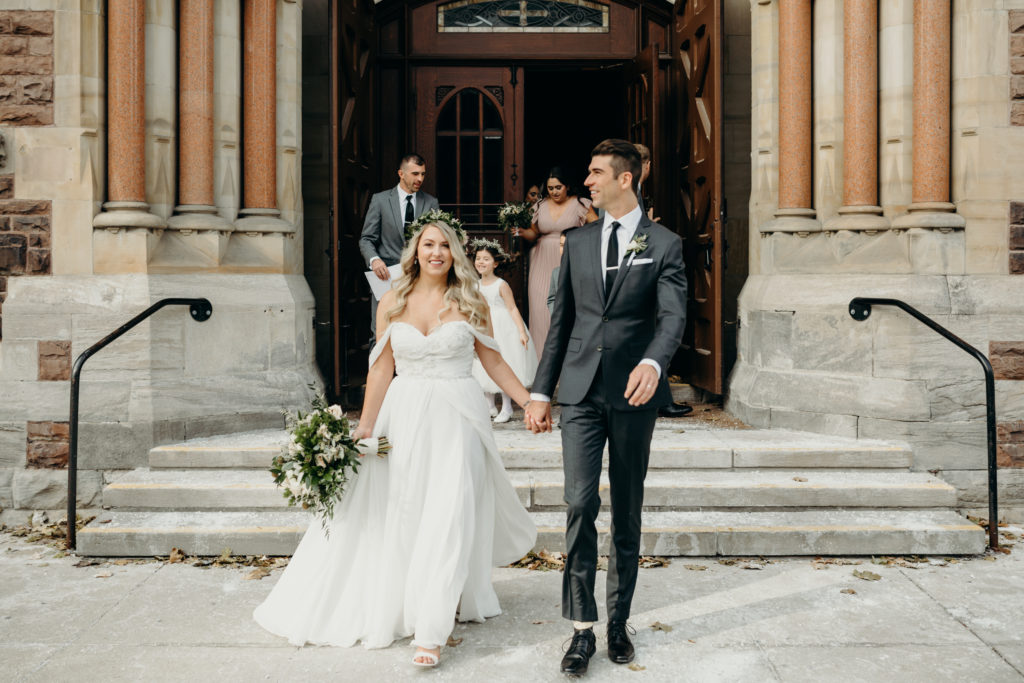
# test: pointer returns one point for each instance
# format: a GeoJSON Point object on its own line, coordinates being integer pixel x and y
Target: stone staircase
{"type": "Point", "coordinates": [708, 492]}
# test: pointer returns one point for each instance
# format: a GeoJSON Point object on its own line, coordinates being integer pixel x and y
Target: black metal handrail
{"type": "Point", "coordinates": [200, 309]}
{"type": "Point", "coordinates": [860, 309]}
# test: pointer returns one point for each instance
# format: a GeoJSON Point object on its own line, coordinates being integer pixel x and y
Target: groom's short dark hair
{"type": "Point", "coordinates": [624, 157]}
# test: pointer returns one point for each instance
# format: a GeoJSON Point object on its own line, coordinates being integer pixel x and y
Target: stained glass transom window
{"type": "Point", "coordinates": [522, 16]}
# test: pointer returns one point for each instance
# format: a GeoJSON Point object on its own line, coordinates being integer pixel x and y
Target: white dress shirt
{"type": "Point", "coordinates": [627, 228]}
{"type": "Point", "coordinates": [402, 194]}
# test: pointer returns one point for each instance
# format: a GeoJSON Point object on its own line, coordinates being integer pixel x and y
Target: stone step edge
{"type": "Point", "coordinates": [934, 537]}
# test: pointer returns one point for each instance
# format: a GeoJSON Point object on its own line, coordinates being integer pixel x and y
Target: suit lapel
{"type": "Point", "coordinates": [397, 209]}
{"type": "Point", "coordinates": [421, 204]}
{"type": "Point", "coordinates": [627, 261]}
{"type": "Point", "coordinates": [594, 247]}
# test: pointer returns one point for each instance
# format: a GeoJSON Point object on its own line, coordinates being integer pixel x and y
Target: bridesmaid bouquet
{"type": "Point", "coordinates": [513, 216]}
{"type": "Point", "coordinates": [320, 458]}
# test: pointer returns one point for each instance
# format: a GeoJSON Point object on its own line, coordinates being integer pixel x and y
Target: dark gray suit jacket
{"type": "Point", "coordinates": [384, 227]}
{"type": "Point", "coordinates": [644, 316]}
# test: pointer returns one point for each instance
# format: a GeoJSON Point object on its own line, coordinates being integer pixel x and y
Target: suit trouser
{"type": "Point", "coordinates": [586, 426]}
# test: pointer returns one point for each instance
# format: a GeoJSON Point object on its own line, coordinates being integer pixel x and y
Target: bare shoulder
{"type": "Point", "coordinates": [388, 300]}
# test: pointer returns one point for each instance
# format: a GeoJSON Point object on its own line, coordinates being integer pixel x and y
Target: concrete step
{"type": "Point", "coordinates": [833, 532]}
{"type": "Point", "coordinates": [144, 489]}
{"type": "Point", "coordinates": [672, 447]}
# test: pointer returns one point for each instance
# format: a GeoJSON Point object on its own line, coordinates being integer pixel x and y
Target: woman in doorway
{"type": "Point", "coordinates": [532, 195]}
{"type": "Point", "coordinates": [412, 543]}
{"type": "Point", "coordinates": [559, 210]}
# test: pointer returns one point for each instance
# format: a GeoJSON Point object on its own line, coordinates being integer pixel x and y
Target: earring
{"type": "Point", "coordinates": [416, 261]}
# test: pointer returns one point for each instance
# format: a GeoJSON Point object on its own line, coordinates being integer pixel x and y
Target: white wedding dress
{"type": "Point", "coordinates": [417, 533]}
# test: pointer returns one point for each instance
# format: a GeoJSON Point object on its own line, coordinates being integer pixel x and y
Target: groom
{"type": "Point", "coordinates": [618, 317]}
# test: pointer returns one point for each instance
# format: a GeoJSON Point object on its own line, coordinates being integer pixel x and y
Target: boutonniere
{"type": "Point", "coordinates": [637, 245]}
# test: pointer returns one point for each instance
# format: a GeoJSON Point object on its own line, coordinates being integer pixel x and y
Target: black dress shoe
{"type": "Point", "coordinates": [577, 657]}
{"type": "Point", "coordinates": [620, 648]}
{"type": "Point", "coordinates": [675, 410]}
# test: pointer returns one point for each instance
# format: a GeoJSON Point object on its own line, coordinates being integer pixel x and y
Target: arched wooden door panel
{"type": "Point", "coordinates": [469, 131]}
{"type": "Point", "coordinates": [353, 173]}
{"type": "Point", "coordinates": [697, 58]}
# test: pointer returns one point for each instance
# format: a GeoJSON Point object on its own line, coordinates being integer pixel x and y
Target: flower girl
{"type": "Point", "coordinates": [509, 329]}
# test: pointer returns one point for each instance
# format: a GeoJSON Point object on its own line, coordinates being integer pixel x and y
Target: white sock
{"type": "Point", "coordinates": [506, 403]}
{"type": "Point", "coordinates": [580, 625]}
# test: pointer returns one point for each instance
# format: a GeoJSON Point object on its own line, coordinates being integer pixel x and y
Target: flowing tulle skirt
{"type": "Point", "coordinates": [522, 359]}
{"type": "Point", "coordinates": [416, 533]}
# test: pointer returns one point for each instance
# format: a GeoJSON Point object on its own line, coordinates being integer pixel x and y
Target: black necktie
{"type": "Point", "coordinates": [611, 262]}
{"type": "Point", "coordinates": [408, 209]}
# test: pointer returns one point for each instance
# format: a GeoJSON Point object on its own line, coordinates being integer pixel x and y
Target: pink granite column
{"type": "Point", "coordinates": [796, 194]}
{"type": "Point", "coordinates": [196, 208]}
{"type": "Point", "coordinates": [930, 205]}
{"type": "Point", "coordinates": [126, 119]}
{"type": "Point", "coordinates": [860, 210]}
{"type": "Point", "coordinates": [259, 115]}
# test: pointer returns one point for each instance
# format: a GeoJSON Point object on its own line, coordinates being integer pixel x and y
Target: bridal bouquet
{"type": "Point", "coordinates": [514, 216]}
{"type": "Point", "coordinates": [320, 458]}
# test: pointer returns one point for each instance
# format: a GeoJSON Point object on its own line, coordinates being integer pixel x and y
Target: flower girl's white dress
{"type": "Point", "coordinates": [417, 533]}
{"type": "Point", "coordinates": [522, 359]}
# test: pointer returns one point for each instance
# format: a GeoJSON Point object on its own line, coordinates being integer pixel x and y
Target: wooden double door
{"type": "Point", "coordinates": [469, 118]}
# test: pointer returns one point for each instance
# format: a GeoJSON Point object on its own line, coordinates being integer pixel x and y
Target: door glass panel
{"type": "Point", "coordinates": [446, 165]}
{"type": "Point", "coordinates": [470, 110]}
{"type": "Point", "coordinates": [493, 176]}
{"type": "Point", "coordinates": [470, 159]}
{"type": "Point", "coordinates": [469, 171]}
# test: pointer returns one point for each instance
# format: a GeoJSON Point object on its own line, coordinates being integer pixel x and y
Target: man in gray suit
{"type": "Point", "coordinates": [390, 211]}
{"type": "Point", "coordinates": [619, 315]}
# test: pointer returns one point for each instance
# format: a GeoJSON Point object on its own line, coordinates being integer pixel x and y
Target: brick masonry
{"type": "Point", "coordinates": [24, 237]}
{"type": "Point", "coordinates": [1007, 358]}
{"type": "Point", "coordinates": [26, 68]}
{"type": "Point", "coordinates": [54, 361]}
{"type": "Point", "coordinates": [47, 445]}
{"type": "Point", "coordinates": [1016, 237]}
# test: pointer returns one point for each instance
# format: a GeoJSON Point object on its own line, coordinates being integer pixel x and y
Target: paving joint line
{"type": "Point", "coordinates": [957, 619]}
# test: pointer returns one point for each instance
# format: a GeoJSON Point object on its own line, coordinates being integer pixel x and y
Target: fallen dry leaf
{"type": "Point", "coordinates": [257, 574]}
{"type": "Point", "coordinates": [848, 591]}
{"type": "Point", "coordinates": [636, 667]}
{"type": "Point", "coordinates": [177, 555]}
{"type": "Point", "coordinates": [696, 567]}
{"type": "Point", "coordinates": [123, 562]}
{"type": "Point", "coordinates": [103, 575]}
{"type": "Point", "coordinates": [866, 575]}
{"type": "Point", "coordinates": [658, 626]}
{"type": "Point", "coordinates": [453, 642]}
{"type": "Point", "coordinates": [541, 621]}
{"type": "Point", "coordinates": [651, 562]}
{"type": "Point", "coordinates": [86, 563]}
{"type": "Point", "coordinates": [799, 478]}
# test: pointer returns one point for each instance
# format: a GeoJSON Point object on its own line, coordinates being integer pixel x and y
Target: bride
{"type": "Point", "coordinates": [412, 543]}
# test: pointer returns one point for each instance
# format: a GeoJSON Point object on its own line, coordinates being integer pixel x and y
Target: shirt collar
{"type": "Point", "coordinates": [628, 223]}
{"type": "Point", "coordinates": [402, 194]}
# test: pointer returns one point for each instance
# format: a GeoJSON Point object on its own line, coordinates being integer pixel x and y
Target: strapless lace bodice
{"type": "Point", "coordinates": [445, 353]}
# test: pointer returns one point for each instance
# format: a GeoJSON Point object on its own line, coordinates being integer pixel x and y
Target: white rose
{"type": "Point", "coordinates": [336, 411]}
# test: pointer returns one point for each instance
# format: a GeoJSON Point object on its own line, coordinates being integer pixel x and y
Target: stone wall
{"type": "Point", "coordinates": [804, 362]}
{"type": "Point", "coordinates": [26, 68]}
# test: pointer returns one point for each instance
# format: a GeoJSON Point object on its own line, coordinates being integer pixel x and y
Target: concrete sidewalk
{"type": "Point", "coordinates": [785, 620]}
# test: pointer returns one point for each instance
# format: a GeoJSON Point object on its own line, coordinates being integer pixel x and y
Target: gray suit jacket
{"type": "Point", "coordinates": [643, 317]}
{"type": "Point", "coordinates": [384, 228]}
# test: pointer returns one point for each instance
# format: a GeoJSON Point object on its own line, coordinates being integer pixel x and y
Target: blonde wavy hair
{"type": "Point", "coordinates": [463, 280]}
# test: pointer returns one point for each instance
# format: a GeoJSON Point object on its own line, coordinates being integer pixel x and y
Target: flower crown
{"type": "Point", "coordinates": [484, 243]}
{"type": "Point", "coordinates": [435, 216]}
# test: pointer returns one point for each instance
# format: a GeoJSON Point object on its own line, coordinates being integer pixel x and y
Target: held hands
{"type": "Point", "coordinates": [642, 384]}
{"type": "Point", "coordinates": [380, 270]}
{"type": "Point", "coordinates": [537, 416]}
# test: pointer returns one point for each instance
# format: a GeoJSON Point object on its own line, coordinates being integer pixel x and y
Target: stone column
{"type": "Point", "coordinates": [126, 210]}
{"type": "Point", "coordinates": [259, 119]}
{"type": "Point", "coordinates": [796, 169]}
{"type": "Point", "coordinates": [196, 210]}
{"type": "Point", "coordinates": [930, 206]}
{"type": "Point", "coordinates": [860, 210]}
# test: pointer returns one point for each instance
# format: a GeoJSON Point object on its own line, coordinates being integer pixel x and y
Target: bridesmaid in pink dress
{"type": "Point", "coordinates": [560, 210]}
